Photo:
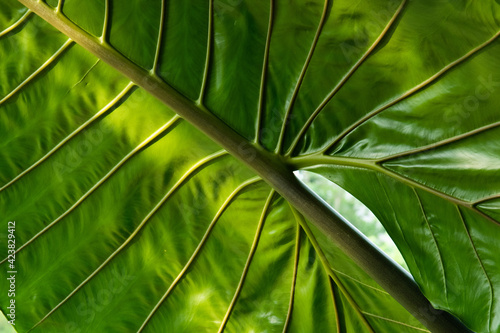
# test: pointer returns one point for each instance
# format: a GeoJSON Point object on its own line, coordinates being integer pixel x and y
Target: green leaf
{"type": "Point", "coordinates": [129, 219]}
{"type": "Point", "coordinates": [394, 101]}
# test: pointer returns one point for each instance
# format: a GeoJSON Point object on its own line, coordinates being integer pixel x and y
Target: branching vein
{"type": "Point", "coordinates": [210, 36]}
{"type": "Point", "coordinates": [105, 24]}
{"type": "Point", "coordinates": [480, 263]}
{"type": "Point", "coordinates": [344, 80]}
{"type": "Point", "coordinates": [329, 271]}
{"type": "Point", "coordinates": [286, 118]}
{"type": "Point", "coordinates": [441, 143]}
{"type": "Point", "coordinates": [154, 70]}
{"type": "Point", "coordinates": [60, 4]}
{"type": "Point", "coordinates": [424, 215]}
{"type": "Point", "coordinates": [198, 249]}
{"type": "Point", "coordinates": [197, 167]}
{"type": "Point", "coordinates": [334, 303]}
{"type": "Point", "coordinates": [45, 65]}
{"type": "Point", "coordinates": [151, 138]}
{"type": "Point", "coordinates": [264, 73]}
{"type": "Point", "coordinates": [319, 159]}
{"type": "Point", "coordinates": [412, 91]}
{"type": "Point", "coordinates": [19, 22]}
{"type": "Point", "coordinates": [249, 259]}
{"type": "Point", "coordinates": [395, 322]}
{"type": "Point", "coordinates": [361, 283]}
{"type": "Point", "coordinates": [110, 105]}
{"type": "Point", "coordinates": [294, 279]}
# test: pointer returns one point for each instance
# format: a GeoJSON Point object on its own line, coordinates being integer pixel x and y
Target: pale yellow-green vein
{"type": "Point", "coordinates": [441, 143]}
{"type": "Point", "coordinates": [208, 55]}
{"type": "Point", "coordinates": [344, 79]}
{"type": "Point", "coordinates": [294, 280]}
{"type": "Point", "coordinates": [281, 138]}
{"type": "Point", "coordinates": [198, 249]}
{"type": "Point", "coordinates": [45, 65]}
{"type": "Point", "coordinates": [411, 91]}
{"type": "Point", "coordinates": [105, 24]}
{"type": "Point", "coordinates": [260, 226]}
{"type": "Point", "coordinates": [154, 69]}
{"type": "Point", "coordinates": [395, 322]}
{"type": "Point", "coordinates": [313, 160]}
{"type": "Point", "coordinates": [111, 104]}
{"type": "Point", "coordinates": [329, 271]}
{"type": "Point", "coordinates": [424, 215]}
{"type": "Point", "coordinates": [199, 165]}
{"type": "Point", "coordinates": [265, 62]}
{"type": "Point", "coordinates": [467, 232]}
{"type": "Point", "coordinates": [16, 24]}
{"type": "Point", "coordinates": [151, 138]}
{"type": "Point", "coordinates": [334, 304]}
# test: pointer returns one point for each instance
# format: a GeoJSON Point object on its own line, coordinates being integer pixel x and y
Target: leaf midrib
{"type": "Point", "coordinates": [267, 165]}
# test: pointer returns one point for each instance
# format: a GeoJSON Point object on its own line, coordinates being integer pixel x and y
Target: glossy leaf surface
{"type": "Point", "coordinates": [128, 219]}
{"type": "Point", "coordinates": [395, 101]}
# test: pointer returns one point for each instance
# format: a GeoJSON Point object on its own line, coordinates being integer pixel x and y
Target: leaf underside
{"type": "Point", "coordinates": [130, 219]}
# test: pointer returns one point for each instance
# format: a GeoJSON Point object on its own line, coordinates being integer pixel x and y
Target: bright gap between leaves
{"type": "Point", "coordinates": [353, 211]}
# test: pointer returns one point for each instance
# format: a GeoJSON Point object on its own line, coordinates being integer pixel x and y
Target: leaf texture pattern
{"type": "Point", "coordinates": [395, 101]}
